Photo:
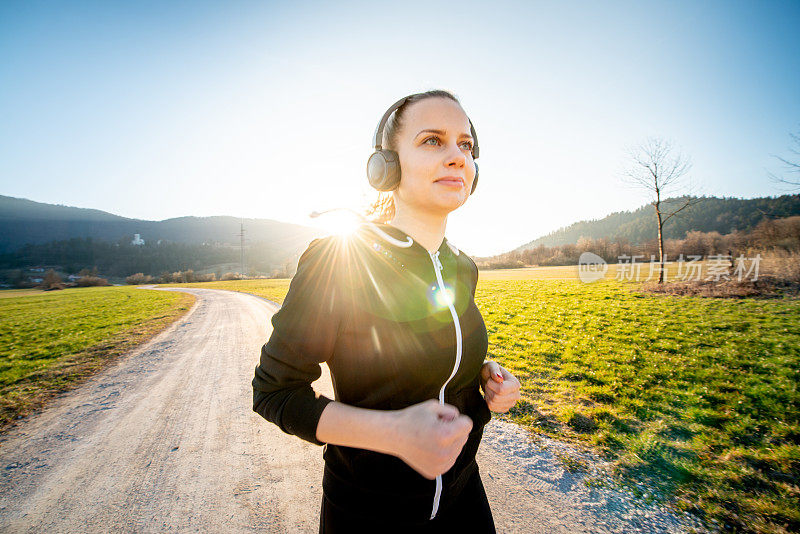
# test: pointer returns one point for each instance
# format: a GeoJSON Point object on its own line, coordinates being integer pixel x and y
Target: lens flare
{"type": "Point", "coordinates": [444, 297]}
{"type": "Point", "coordinates": [342, 223]}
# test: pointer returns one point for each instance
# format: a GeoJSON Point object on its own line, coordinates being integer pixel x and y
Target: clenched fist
{"type": "Point", "coordinates": [500, 388]}
{"type": "Point", "coordinates": [430, 436]}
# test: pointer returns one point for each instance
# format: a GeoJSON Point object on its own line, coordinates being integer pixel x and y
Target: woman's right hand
{"type": "Point", "coordinates": [430, 436]}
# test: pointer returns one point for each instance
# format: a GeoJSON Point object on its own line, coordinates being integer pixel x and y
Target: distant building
{"type": "Point", "coordinates": [137, 240]}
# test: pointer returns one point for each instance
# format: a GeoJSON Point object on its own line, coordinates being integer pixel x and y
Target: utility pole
{"type": "Point", "coordinates": [241, 236]}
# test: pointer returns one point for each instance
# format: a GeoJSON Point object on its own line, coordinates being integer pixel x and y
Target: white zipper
{"type": "Point", "coordinates": [437, 267]}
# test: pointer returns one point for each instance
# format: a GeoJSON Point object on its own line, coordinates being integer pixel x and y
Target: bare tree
{"type": "Point", "coordinates": [51, 281]}
{"type": "Point", "coordinates": [654, 167]}
{"type": "Point", "coordinates": [792, 167]}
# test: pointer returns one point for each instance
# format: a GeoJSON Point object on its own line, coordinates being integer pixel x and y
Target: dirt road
{"type": "Point", "coordinates": [166, 440]}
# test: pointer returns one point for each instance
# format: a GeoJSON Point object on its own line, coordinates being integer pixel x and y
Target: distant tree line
{"type": "Point", "coordinates": [179, 277]}
{"type": "Point", "coordinates": [769, 234]}
{"type": "Point", "coordinates": [52, 280]}
{"type": "Point", "coordinates": [721, 215]}
{"type": "Point", "coordinates": [120, 258]}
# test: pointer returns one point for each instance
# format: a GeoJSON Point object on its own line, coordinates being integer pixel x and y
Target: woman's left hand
{"type": "Point", "coordinates": [500, 388]}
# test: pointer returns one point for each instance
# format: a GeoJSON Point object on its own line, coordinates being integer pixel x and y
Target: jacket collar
{"type": "Point", "coordinates": [402, 250]}
{"type": "Point", "coordinates": [402, 242]}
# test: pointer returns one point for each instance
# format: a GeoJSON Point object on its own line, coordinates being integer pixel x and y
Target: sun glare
{"type": "Point", "coordinates": [341, 223]}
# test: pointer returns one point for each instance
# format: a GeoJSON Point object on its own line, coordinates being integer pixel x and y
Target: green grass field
{"type": "Point", "coordinates": [273, 289]}
{"type": "Point", "coordinates": [695, 398]}
{"type": "Point", "coordinates": [49, 341]}
{"type": "Point", "coordinates": [11, 293]}
{"type": "Point", "coordinates": [626, 272]}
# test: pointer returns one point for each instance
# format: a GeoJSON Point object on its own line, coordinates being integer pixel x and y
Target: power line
{"type": "Point", "coordinates": [241, 246]}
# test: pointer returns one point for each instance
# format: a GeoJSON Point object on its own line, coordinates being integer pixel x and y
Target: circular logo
{"type": "Point", "coordinates": [591, 267]}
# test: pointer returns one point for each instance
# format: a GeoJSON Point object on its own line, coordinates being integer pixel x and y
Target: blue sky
{"type": "Point", "coordinates": [255, 109]}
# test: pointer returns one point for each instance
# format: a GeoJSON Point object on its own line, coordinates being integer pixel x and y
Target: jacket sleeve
{"type": "Point", "coordinates": [304, 333]}
{"type": "Point", "coordinates": [474, 276]}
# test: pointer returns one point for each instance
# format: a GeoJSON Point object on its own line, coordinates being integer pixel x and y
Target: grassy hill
{"type": "Point", "coordinates": [723, 215]}
{"type": "Point", "coordinates": [24, 221]}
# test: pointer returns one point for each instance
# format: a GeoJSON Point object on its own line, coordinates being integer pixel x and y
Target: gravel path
{"type": "Point", "coordinates": [165, 440]}
{"type": "Point", "coordinates": [531, 492]}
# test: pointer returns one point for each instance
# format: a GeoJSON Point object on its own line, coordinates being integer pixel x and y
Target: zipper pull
{"type": "Point", "coordinates": [436, 262]}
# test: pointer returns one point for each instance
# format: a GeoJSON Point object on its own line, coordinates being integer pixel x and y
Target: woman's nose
{"type": "Point", "coordinates": [455, 156]}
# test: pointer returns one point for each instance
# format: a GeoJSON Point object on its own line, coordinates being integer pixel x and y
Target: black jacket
{"type": "Point", "coordinates": [370, 305]}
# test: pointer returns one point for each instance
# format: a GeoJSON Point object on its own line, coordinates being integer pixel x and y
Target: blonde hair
{"type": "Point", "coordinates": [382, 210]}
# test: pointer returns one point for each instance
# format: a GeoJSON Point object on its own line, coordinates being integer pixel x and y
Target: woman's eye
{"type": "Point", "coordinates": [467, 145]}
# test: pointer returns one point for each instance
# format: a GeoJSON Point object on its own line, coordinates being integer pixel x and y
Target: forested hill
{"type": "Point", "coordinates": [24, 221]}
{"type": "Point", "coordinates": [723, 215]}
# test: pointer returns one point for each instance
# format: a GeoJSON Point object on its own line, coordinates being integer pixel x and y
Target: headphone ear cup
{"type": "Point", "coordinates": [475, 181]}
{"type": "Point", "coordinates": [383, 170]}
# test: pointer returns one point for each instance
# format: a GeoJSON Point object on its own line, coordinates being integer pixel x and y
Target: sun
{"type": "Point", "coordinates": [341, 223]}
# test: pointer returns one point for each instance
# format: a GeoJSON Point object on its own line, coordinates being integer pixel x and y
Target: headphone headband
{"type": "Point", "coordinates": [378, 137]}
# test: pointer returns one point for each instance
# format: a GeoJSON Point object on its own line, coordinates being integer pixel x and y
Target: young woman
{"type": "Point", "coordinates": [391, 310]}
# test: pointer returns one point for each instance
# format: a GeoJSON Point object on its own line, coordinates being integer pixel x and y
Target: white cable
{"type": "Point", "coordinates": [437, 267]}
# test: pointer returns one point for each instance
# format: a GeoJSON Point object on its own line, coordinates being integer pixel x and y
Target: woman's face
{"type": "Point", "coordinates": [435, 150]}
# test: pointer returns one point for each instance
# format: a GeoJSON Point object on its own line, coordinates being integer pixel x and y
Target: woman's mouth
{"type": "Point", "coordinates": [451, 181]}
